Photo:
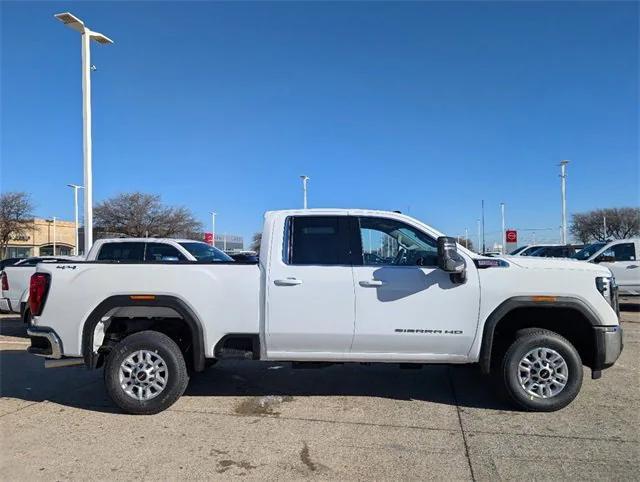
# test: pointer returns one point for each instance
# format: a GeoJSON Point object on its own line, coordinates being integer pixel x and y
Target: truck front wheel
{"type": "Point", "coordinates": [145, 373]}
{"type": "Point", "coordinates": [542, 371]}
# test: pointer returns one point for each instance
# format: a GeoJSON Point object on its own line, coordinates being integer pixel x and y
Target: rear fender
{"type": "Point", "coordinates": [159, 301]}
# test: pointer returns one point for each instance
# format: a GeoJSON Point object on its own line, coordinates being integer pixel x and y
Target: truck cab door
{"type": "Point", "coordinates": [408, 309]}
{"type": "Point", "coordinates": [622, 259]}
{"type": "Point", "coordinates": [309, 302]}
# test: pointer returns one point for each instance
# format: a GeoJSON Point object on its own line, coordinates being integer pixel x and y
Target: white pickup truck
{"type": "Point", "coordinates": [332, 285]}
{"type": "Point", "coordinates": [14, 280]}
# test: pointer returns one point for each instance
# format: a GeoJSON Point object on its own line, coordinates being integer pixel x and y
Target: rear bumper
{"type": "Point", "coordinates": [44, 342]}
{"type": "Point", "coordinates": [5, 305]}
{"type": "Point", "coordinates": [609, 344]}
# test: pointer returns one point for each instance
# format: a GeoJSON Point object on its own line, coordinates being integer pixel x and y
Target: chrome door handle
{"type": "Point", "coordinates": [288, 282]}
{"type": "Point", "coordinates": [371, 283]}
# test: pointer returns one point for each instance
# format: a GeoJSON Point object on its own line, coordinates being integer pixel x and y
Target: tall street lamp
{"type": "Point", "coordinates": [75, 214]}
{"type": "Point", "coordinates": [563, 185]}
{"type": "Point", "coordinates": [213, 228]}
{"type": "Point", "coordinates": [304, 189]}
{"type": "Point", "coordinates": [87, 35]}
{"type": "Point", "coordinates": [504, 232]}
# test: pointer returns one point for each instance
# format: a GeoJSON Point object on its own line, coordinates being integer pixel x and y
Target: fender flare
{"type": "Point", "coordinates": [164, 301]}
{"type": "Point", "coordinates": [510, 304]}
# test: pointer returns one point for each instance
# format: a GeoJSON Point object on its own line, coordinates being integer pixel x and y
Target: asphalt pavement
{"type": "Point", "coordinates": [257, 421]}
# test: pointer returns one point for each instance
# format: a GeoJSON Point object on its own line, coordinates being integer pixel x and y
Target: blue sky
{"type": "Point", "coordinates": [422, 107]}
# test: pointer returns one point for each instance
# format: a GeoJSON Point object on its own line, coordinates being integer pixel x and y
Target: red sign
{"type": "Point", "coordinates": [208, 238]}
{"type": "Point", "coordinates": [512, 236]}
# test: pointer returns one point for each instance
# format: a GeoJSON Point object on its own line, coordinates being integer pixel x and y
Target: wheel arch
{"type": "Point", "coordinates": [136, 300]}
{"type": "Point", "coordinates": [537, 303]}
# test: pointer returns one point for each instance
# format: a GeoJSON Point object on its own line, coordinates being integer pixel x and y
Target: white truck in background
{"type": "Point", "coordinates": [14, 280]}
{"type": "Point", "coordinates": [332, 285]}
{"type": "Point", "coordinates": [621, 257]}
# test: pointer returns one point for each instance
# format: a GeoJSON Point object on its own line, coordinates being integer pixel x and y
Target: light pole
{"type": "Point", "coordinates": [604, 225]}
{"type": "Point", "coordinates": [87, 35]}
{"type": "Point", "coordinates": [75, 214]}
{"type": "Point", "coordinates": [54, 235]}
{"type": "Point", "coordinates": [466, 238]}
{"type": "Point", "coordinates": [504, 239]}
{"type": "Point", "coordinates": [304, 189]}
{"type": "Point", "coordinates": [213, 228]}
{"type": "Point", "coordinates": [483, 245]}
{"type": "Point", "coordinates": [478, 248]}
{"type": "Point", "coordinates": [563, 183]}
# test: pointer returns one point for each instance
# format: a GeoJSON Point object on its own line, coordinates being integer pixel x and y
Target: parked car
{"type": "Point", "coordinates": [532, 248]}
{"type": "Point", "coordinates": [621, 257]}
{"type": "Point", "coordinates": [135, 250]}
{"type": "Point", "coordinates": [316, 297]}
{"type": "Point", "coordinates": [9, 262]}
{"type": "Point", "coordinates": [15, 293]}
{"type": "Point", "coordinates": [245, 257]}
{"type": "Point", "coordinates": [559, 251]}
{"type": "Point", "coordinates": [492, 253]}
{"type": "Point", "coordinates": [15, 279]}
{"type": "Point", "coordinates": [518, 250]}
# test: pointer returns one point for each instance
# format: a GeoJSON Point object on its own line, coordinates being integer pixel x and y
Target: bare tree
{"type": "Point", "coordinates": [255, 242]}
{"type": "Point", "coordinates": [15, 216]}
{"type": "Point", "coordinates": [467, 243]}
{"type": "Point", "coordinates": [138, 214]}
{"type": "Point", "coordinates": [621, 223]}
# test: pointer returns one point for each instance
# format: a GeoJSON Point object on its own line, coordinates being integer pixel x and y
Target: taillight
{"type": "Point", "coordinates": [38, 289]}
{"type": "Point", "coordinates": [5, 281]}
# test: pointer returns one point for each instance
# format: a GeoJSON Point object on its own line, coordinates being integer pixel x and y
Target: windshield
{"type": "Point", "coordinates": [204, 252]}
{"type": "Point", "coordinates": [588, 251]}
{"type": "Point", "coordinates": [517, 250]}
{"type": "Point", "coordinates": [530, 250]}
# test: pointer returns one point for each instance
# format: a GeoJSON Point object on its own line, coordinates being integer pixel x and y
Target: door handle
{"type": "Point", "coordinates": [631, 266]}
{"type": "Point", "coordinates": [371, 283]}
{"type": "Point", "coordinates": [288, 282]}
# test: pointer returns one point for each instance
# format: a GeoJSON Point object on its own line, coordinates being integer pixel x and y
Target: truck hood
{"type": "Point", "coordinates": [531, 262]}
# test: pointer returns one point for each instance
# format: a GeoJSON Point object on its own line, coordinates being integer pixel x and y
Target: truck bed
{"type": "Point", "coordinates": [225, 296]}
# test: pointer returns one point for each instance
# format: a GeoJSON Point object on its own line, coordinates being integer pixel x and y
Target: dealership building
{"type": "Point", "coordinates": [229, 242]}
{"type": "Point", "coordinates": [39, 238]}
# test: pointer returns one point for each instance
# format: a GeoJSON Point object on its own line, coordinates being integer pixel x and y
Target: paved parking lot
{"type": "Point", "coordinates": [261, 421]}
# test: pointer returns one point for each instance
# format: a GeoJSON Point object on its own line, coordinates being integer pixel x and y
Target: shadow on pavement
{"type": "Point", "coordinates": [23, 376]}
{"type": "Point", "coordinates": [629, 306]}
{"type": "Point", "coordinates": [13, 326]}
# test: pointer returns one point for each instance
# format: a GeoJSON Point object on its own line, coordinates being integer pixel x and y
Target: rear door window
{"type": "Point", "coordinates": [162, 252]}
{"type": "Point", "coordinates": [624, 252]}
{"type": "Point", "coordinates": [318, 240]}
{"type": "Point", "coordinates": [123, 252]}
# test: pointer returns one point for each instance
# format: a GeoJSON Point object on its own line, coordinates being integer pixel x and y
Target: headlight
{"type": "Point", "coordinates": [608, 288]}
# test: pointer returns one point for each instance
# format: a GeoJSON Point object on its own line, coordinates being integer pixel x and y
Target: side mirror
{"type": "Point", "coordinates": [449, 259]}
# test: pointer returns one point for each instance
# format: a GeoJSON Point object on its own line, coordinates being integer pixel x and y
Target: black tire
{"type": "Point", "coordinates": [176, 372]}
{"type": "Point", "coordinates": [526, 341]}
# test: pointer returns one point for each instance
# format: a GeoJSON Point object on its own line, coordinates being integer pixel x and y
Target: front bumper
{"type": "Point", "coordinates": [609, 344]}
{"type": "Point", "coordinates": [44, 342]}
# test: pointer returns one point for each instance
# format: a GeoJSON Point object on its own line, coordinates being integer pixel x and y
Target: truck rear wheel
{"type": "Point", "coordinates": [542, 371]}
{"type": "Point", "coordinates": [145, 373]}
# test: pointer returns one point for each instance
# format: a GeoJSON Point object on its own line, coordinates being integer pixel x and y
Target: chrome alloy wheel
{"type": "Point", "coordinates": [143, 375]}
{"type": "Point", "coordinates": [543, 373]}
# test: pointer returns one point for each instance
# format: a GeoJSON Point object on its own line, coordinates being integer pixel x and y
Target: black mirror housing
{"type": "Point", "coordinates": [449, 259]}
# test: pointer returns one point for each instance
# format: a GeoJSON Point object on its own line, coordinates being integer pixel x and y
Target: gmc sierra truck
{"type": "Point", "coordinates": [331, 285]}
